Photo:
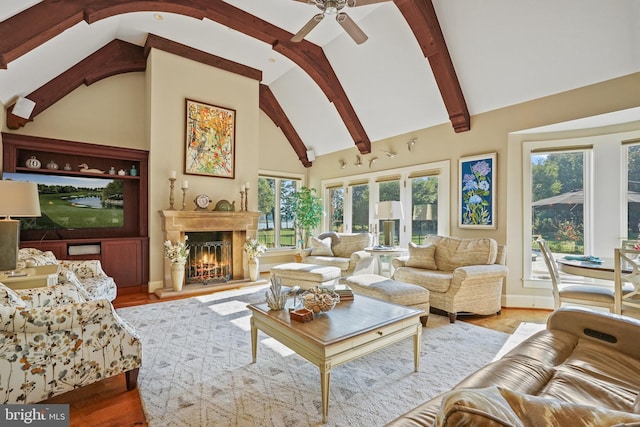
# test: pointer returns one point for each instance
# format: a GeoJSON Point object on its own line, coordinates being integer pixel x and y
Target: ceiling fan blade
{"type": "Point", "coordinates": [354, 3]}
{"type": "Point", "coordinates": [300, 35]}
{"type": "Point", "coordinates": [351, 28]}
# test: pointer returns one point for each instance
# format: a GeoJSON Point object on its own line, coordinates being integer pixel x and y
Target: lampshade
{"type": "Point", "coordinates": [389, 210]}
{"type": "Point", "coordinates": [19, 199]}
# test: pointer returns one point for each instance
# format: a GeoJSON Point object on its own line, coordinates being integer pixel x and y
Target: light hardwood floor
{"type": "Point", "coordinates": [109, 404]}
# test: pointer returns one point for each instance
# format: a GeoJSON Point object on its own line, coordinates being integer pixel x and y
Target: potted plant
{"type": "Point", "coordinates": [307, 207]}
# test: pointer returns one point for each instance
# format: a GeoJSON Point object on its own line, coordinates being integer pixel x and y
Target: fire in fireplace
{"type": "Point", "coordinates": [209, 261]}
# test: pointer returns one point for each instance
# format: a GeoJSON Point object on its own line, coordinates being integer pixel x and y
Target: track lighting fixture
{"type": "Point", "coordinates": [343, 164]}
{"type": "Point", "coordinates": [372, 161]}
{"type": "Point", "coordinates": [358, 161]}
{"type": "Point", "coordinates": [411, 143]}
{"type": "Point", "coordinates": [391, 154]}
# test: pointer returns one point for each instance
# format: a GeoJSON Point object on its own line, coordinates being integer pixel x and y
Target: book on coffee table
{"type": "Point", "coordinates": [344, 291]}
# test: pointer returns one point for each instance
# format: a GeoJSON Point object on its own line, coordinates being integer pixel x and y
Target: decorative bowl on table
{"type": "Point", "coordinates": [320, 300]}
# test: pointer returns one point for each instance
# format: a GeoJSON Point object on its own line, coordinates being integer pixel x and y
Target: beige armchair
{"type": "Point", "coordinates": [87, 275]}
{"type": "Point", "coordinates": [345, 251]}
{"type": "Point", "coordinates": [462, 275]}
{"type": "Point", "coordinates": [53, 341]}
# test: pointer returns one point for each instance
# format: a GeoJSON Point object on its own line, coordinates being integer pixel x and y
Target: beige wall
{"type": "Point", "coordinates": [490, 133]}
{"type": "Point", "coordinates": [109, 112]}
{"type": "Point", "coordinates": [276, 154]}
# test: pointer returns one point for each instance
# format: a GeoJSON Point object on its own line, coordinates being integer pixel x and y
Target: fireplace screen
{"type": "Point", "coordinates": [209, 262]}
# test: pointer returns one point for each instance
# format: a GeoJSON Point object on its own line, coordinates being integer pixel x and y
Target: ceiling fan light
{"type": "Point", "coordinates": [331, 7]}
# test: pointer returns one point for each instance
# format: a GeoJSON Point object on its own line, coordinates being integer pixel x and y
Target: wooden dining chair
{"type": "Point", "coordinates": [627, 273]}
{"type": "Point", "coordinates": [580, 293]}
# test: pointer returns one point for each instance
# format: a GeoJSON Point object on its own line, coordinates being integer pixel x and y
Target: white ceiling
{"type": "Point", "coordinates": [505, 52]}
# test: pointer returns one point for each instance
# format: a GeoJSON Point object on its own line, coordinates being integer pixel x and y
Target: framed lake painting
{"type": "Point", "coordinates": [210, 140]}
{"type": "Point", "coordinates": [477, 196]}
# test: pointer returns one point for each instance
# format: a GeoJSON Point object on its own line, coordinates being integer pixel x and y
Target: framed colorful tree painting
{"type": "Point", "coordinates": [477, 200]}
{"type": "Point", "coordinates": [211, 140]}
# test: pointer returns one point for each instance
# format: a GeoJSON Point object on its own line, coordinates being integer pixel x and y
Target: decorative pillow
{"type": "Point", "coordinates": [452, 252]}
{"type": "Point", "coordinates": [422, 256]}
{"type": "Point", "coordinates": [321, 247]}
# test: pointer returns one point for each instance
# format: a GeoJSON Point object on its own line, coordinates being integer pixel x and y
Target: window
{"type": "Point", "coordinates": [581, 195]}
{"type": "Point", "coordinates": [336, 209]}
{"type": "Point", "coordinates": [360, 208]}
{"type": "Point", "coordinates": [558, 204]}
{"type": "Point", "coordinates": [424, 207]}
{"type": "Point", "coordinates": [276, 226]}
{"type": "Point", "coordinates": [422, 190]}
{"type": "Point", "coordinates": [633, 191]}
{"type": "Point", "coordinates": [389, 191]}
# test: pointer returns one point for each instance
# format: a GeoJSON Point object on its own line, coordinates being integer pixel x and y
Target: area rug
{"type": "Point", "coordinates": [197, 371]}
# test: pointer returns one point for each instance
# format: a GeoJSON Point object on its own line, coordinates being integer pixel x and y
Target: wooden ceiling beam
{"type": "Point", "coordinates": [116, 57]}
{"type": "Point", "coordinates": [175, 48]}
{"type": "Point", "coordinates": [40, 23]}
{"type": "Point", "coordinates": [421, 17]}
{"type": "Point", "coordinates": [308, 56]}
{"type": "Point", "coordinates": [270, 105]}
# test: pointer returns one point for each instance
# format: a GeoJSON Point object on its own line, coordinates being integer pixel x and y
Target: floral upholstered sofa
{"type": "Point", "coordinates": [345, 251]}
{"type": "Point", "coordinates": [87, 275]}
{"type": "Point", "coordinates": [462, 275]}
{"type": "Point", "coordinates": [52, 341]}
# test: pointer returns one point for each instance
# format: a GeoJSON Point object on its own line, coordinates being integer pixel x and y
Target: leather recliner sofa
{"type": "Point", "coordinates": [583, 369]}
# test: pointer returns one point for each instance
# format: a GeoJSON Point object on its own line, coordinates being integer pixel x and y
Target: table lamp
{"type": "Point", "coordinates": [389, 211]}
{"type": "Point", "coordinates": [17, 199]}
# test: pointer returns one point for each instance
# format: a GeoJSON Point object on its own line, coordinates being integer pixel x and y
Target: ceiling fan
{"type": "Point", "coordinates": [334, 7]}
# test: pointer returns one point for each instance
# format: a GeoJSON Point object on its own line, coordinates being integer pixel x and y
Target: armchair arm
{"type": "Point", "coordinates": [51, 296]}
{"type": "Point", "coordinates": [400, 261]}
{"type": "Point", "coordinates": [357, 256]}
{"type": "Point", "coordinates": [58, 318]}
{"type": "Point", "coordinates": [85, 269]}
{"type": "Point", "coordinates": [479, 272]}
{"type": "Point", "coordinates": [304, 253]}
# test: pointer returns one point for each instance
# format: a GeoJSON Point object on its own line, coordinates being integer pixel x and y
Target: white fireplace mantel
{"type": "Point", "coordinates": [243, 225]}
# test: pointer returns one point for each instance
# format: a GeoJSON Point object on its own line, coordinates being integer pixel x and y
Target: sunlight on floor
{"type": "Point", "coordinates": [276, 346]}
{"type": "Point", "coordinates": [230, 293]}
{"type": "Point", "coordinates": [243, 323]}
{"type": "Point", "coordinates": [227, 308]}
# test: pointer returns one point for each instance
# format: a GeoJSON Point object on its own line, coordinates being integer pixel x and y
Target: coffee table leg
{"type": "Point", "coordinates": [254, 341]}
{"type": "Point", "coordinates": [325, 379]}
{"type": "Point", "coordinates": [416, 347]}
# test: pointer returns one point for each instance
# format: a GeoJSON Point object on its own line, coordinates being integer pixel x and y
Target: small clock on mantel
{"type": "Point", "coordinates": [202, 202]}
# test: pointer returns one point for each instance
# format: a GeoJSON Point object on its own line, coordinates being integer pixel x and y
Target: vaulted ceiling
{"type": "Point", "coordinates": [426, 62]}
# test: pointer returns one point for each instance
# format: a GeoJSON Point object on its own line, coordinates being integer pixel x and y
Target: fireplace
{"type": "Point", "coordinates": [210, 257]}
{"type": "Point", "coordinates": [220, 231]}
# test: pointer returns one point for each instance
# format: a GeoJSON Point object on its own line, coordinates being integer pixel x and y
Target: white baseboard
{"type": "Point", "coordinates": [527, 301]}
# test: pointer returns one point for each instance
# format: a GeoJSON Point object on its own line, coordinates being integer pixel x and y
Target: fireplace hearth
{"type": "Point", "coordinates": [226, 233]}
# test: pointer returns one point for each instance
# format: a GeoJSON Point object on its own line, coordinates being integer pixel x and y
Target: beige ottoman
{"type": "Point", "coordinates": [306, 275]}
{"type": "Point", "coordinates": [373, 285]}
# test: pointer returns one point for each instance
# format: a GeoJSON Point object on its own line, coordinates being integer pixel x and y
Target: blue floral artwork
{"type": "Point", "coordinates": [477, 175]}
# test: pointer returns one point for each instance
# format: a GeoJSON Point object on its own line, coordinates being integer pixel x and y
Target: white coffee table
{"type": "Point", "coordinates": [351, 330]}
